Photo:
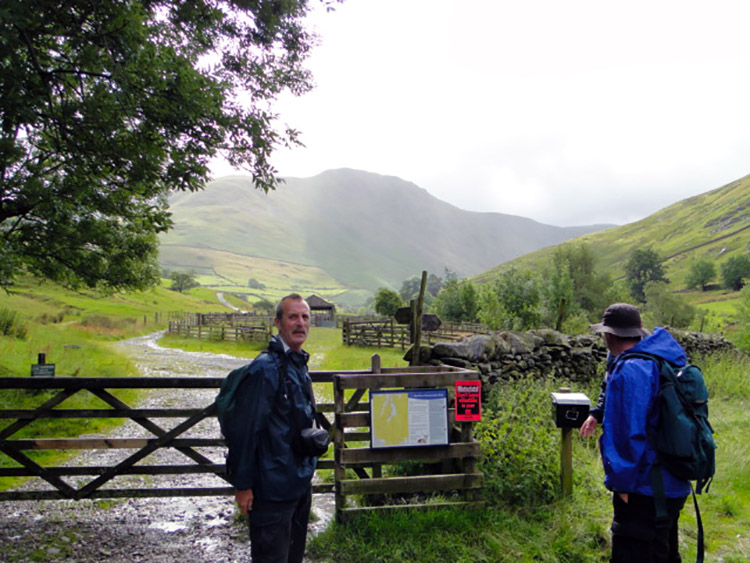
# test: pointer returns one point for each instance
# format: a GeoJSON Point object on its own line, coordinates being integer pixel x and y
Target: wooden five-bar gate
{"type": "Point", "coordinates": [204, 455]}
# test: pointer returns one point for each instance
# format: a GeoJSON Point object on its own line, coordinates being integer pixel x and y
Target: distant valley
{"type": "Point", "coordinates": [341, 234]}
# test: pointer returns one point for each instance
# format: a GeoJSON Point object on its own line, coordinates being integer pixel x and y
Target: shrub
{"type": "Point", "coordinates": [11, 324]}
{"type": "Point", "coordinates": [520, 447]}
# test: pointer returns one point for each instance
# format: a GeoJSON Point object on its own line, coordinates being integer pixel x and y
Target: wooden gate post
{"type": "Point", "coordinates": [339, 472]}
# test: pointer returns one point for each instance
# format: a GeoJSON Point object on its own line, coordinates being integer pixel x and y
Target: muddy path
{"type": "Point", "coordinates": [192, 529]}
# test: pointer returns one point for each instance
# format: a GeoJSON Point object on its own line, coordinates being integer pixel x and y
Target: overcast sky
{"type": "Point", "coordinates": [568, 113]}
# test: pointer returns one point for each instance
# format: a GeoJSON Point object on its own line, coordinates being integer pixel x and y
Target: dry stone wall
{"type": "Point", "coordinates": [546, 353]}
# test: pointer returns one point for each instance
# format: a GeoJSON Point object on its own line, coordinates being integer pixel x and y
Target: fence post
{"type": "Point", "coordinates": [566, 457]}
{"type": "Point", "coordinates": [339, 473]}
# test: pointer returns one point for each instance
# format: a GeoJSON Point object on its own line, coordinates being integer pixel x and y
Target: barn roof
{"type": "Point", "coordinates": [317, 303]}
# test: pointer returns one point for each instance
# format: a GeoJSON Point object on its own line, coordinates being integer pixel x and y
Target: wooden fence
{"type": "Point", "coordinates": [205, 454]}
{"type": "Point", "coordinates": [232, 326]}
{"type": "Point", "coordinates": [376, 333]}
{"type": "Point", "coordinates": [260, 333]}
{"type": "Point", "coordinates": [386, 333]}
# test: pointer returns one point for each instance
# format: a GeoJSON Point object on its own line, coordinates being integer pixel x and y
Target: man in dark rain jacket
{"type": "Point", "coordinates": [273, 482]}
{"type": "Point", "coordinates": [630, 416]}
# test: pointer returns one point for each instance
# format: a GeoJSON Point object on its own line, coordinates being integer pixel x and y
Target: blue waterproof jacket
{"type": "Point", "coordinates": [630, 416]}
{"type": "Point", "coordinates": [260, 444]}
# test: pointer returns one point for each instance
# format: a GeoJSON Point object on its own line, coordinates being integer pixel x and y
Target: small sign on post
{"type": "Point", "coordinates": [468, 401]}
{"type": "Point", "coordinates": [42, 368]}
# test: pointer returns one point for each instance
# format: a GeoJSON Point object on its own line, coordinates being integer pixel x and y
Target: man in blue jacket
{"type": "Point", "coordinates": [630, 416]}
{"type": "Point", "coordinates": [272, 481]}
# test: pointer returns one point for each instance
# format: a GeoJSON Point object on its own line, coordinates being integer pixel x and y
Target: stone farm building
{"type": "Point", "coordinates": [323, 312]}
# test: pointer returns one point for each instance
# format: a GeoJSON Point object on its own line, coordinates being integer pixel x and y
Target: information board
{"type": "Point", "coordinates": [408, 417]}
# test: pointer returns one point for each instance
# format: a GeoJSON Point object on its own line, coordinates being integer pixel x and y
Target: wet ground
{"type": "Point", "coordinates": [192, 529]}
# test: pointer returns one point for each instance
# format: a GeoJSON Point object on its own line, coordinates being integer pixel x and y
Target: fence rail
{"type": "Point", "coordinates": [386, 333]}
{"type": "Point", "coordinates": [260, 333]}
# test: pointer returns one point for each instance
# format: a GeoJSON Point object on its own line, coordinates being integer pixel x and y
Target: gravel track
{"type": "Point", "coordinates": [155, 529]}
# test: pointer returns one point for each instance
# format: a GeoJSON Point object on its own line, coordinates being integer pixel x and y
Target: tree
{"type": "Point", "coordinates": [666, 308]}
{"type": "Point", "coordinates": [264, 306]}
{"type": "Point", "coordinates": [557, 290]}
{"type": "Point", "coordinates": [735, 271]}
{"type": "Point", "coordinates": [589, 286]}
{"type": "Point", "coordinates": [182, 281]}
{"type": "Point", "coordinates": [457, 301]}
{"type": "Point", "coordinates": [387, 302]}
{"type": "Point", "coordinates": [516, 297]}
{"type": "Point", "coordinates": [643, 266]}
{"type": "Point", "coordinates": [107, 106]}
{"type": "Point", "coordinates": [252, 283]}
{"type": "Point", "coordinates": [410, 288]}
{"type": "Point", "coordinates": [434, 284]}
{"type": "Point", "coordinates": [741, 337]}
{"type": "Point", "coordinates": [700, 273]}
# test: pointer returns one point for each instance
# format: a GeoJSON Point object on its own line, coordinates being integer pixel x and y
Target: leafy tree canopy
{"type": "Point", "coordinates": [513, 302]}
{"type": "Point", "coordinates": [387, 302]}
{"type": "Point", "coordinates": [182, 281]}
{"type": "Point", "coordinates": [253, 283]}
{"type": "Point", "coordinates": [735, 271]}
{"type": "Point", "coordinates": [265, 306]}
{"type": "Point", "coordinates": [665, 308]}
{"type": "Point", "coordinates": [643, 266]}
{"type": "Point", "coordinates": [410, 288]}
{"type": "Point", "coordinates": [701, 272]}
{"type": "Point", "coordinates": [106, 106]}
{"type": "Point", "coordinates": [557, 291]}
{"type": "Point", "coordinates": [589, 285]}
{"type": "Point", "coordinates": [458, 301]}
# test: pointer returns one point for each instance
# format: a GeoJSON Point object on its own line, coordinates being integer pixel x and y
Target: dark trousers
{"type": "Point", "coordinates": [638, 536]}
{"type": "Point", "coordinates": [278, 530]}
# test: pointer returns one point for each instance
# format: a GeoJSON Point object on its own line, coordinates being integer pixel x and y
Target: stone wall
{"type": "Point", "coordinates": [546, 353]}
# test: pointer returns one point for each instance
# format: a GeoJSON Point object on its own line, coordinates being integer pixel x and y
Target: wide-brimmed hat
{"type": "Point", "coordinates": [621, 319]}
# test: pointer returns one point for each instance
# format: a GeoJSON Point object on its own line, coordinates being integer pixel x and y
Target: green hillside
{"type": "Point", "coordinates": [229, 272]}
{"type": "Point", "coordinates": [713, 225]}
{"type": "Point", "coordinates": [357, 231]}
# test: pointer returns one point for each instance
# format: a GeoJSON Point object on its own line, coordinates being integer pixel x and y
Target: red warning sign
{"type": "Point", "coordinates": [468, 401]}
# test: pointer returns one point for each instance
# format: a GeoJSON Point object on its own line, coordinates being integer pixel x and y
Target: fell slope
{"type": "Point", "coordinates": [714, 225]}
{"type": "Point", "coordinates": [365, 230]}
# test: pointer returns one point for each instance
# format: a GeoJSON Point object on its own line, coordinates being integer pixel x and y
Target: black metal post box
{"type": "Point", "coordinates": [570, 409]}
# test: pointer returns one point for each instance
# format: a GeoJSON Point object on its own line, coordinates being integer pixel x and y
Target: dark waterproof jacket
{"type": "Point", "coordinates": [630, 416]}
{"type": "Point", "coordinates": [260, 443]}
{"type": "Point", "coordinates": [598, 411]}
